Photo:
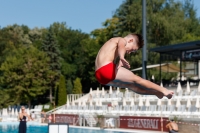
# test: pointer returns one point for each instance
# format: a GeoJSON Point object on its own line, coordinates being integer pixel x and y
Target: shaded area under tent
{"type": "Point", "coordinates": [187, 51]}
{"type": "Point", "coordinates": [165, 67]}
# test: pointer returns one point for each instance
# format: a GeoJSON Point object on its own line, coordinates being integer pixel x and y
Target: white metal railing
{"type": "Point", "coordinates": [53, 110]}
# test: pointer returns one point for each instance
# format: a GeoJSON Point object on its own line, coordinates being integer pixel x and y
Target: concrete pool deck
{"type": "Point", "coordinates": [120, 129]}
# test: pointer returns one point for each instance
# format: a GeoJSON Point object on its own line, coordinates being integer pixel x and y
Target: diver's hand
{"type": "Point", "coordinates": [123, 62]}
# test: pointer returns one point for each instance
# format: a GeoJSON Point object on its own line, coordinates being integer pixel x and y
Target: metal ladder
{"type": "Point", "coordinates": [90, 119]}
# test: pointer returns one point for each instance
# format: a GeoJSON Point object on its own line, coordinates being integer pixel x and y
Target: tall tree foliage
{"type": "Point", "coordinates": [69, 86]}
{"type": "Point", "coordinates": [50, 47]}
{"type": "Point", "coordinates": [25, 74]}
{"type": "Point", "coordinates": [62, 95]}
{"type": "Point", "coordinates": [77, 86]}
{"type": "Point", "coordinates": [12, 37]}
{"type": "Point", "coordinates": [129, 16]}
{"type": "Point", "coordinates": [37, 36]}
{"type": "Point", "coordinates": [167, 21]}
{"type": "Point", "coordinates": [75, 47]}
{"type": "Point", "coordinates": [89, 51]}
{"type": "Point", "coordinates": [5, 98]}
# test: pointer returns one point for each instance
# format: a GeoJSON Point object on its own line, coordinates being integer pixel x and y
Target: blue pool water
{"type": "Point", "coordinates": [13, 128]}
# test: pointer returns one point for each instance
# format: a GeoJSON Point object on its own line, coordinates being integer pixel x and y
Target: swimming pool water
{"type": "Point", "coordinates": [30, 129]}
{"type": "Point", "coordinates": [13, 128]}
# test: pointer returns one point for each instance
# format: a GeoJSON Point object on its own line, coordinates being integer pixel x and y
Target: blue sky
{"type": "Point", "coordinates": [84, 15]}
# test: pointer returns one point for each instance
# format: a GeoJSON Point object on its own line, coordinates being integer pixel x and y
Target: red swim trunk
{"type": "Point", "coordinates": [106, 73]}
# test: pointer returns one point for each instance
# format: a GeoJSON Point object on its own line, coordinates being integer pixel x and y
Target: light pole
{"type": "Point", "coordinates": [144, 50]}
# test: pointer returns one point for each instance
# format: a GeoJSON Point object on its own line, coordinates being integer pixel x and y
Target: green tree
{"type": "Point", "coordinates": [129, 16]}
{"type": "Point", "coordinates": [77, 86]}
{"type": "Point", "coordinates": [6, 99]}
{"type": "Point", "coordinates": [62, 95]}
{"type": "Point", "coordinates": [167, 20]}
{"type": "Point", "coordinates": [103, 34]}
{"type": "Point", "coordinates": [25, 74]}
{"type": "Point", "coordinates": [72, 44]}
{"type": "Point", "coordinates": [36, 36]}
{"type": "Point", "coordinates": [69, 86]}
{"type": "Point", "coordinates": [50, 47]}
{"type": "Point", "coordinates": [87, 69]}
{"type": "Point", "coordinates": [12, 37]}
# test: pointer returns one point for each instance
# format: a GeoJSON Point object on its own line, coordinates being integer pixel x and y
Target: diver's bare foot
{"type": "Point", "coordinates": [168, 93]}
{"type": "Point", "coordinates": [169, 96]}
{"type": "Point", "coordinates": [159, 95]}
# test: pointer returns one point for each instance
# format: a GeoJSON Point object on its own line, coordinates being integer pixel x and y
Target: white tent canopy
{"type": "Point", "coordinates": [99, 102]}
{"type": "Point", "coordinates": [97, 92]}
{"type": "Point", "coordinates": [198, 88]}
{"type": "Point", "coordinates": [147, 103]}
{"type": "Point", "coordinates": [178, 103]}
{"type": "Point", "coordinates": [159, 102]}
{"type": "Point", "coordinates": [73, 103]}
{"type": "Point", "coordinates": [141, 102]}
{"type": "Point", "coordinates": [84, 103]}
{"type": "Point", "coordinates": [90, 103]}
{"type": "Point", "coordinates": [132, 102]}
{"type": "Point", "coordinates": [169, 102]}
{"type": "Point", "coordinates": [188, 87]}
{"type": "Point", "coordinates": [179, 88]}
{"type": "Point", "coordinates": [197, 103]}
{"type": "Point", "coordinates": [90, 90]}
{"type": "Point", "coordinates": [110, 90]}
{"type": "Point", "coordinates": [124, 102]}
{"type": "Point", "coordinates": [188, 103]}
{"type": "Point", "coordinates": [152, 77]}
{"type": "Point", "coordinates": [103, 91]}
{"type": "Point", "coordinates": [161, 84]}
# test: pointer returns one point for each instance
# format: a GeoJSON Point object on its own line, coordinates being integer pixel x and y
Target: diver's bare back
{"type": "Point", "coordinates": [107, 53]}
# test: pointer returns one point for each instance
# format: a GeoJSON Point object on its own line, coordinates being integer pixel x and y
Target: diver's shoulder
{"type": "Point", "coordinates": [116, 39]}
